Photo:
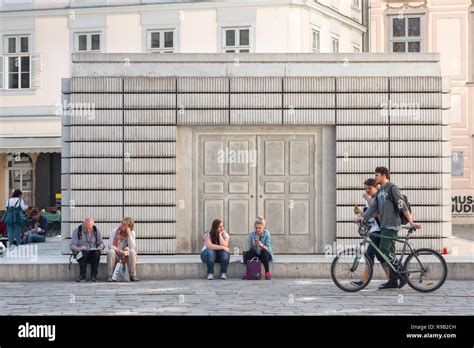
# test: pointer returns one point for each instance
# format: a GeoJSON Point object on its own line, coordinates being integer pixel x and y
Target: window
{"type": "Point", "coordinates": [237, 40]}
{"type": "Point", "coordinates": [87, 42]}
{"type": "Point", "coordinates": [335, 45]}
{"type": "Point", "coordinates": [316, 42]}
{"type": "Point", "coordinates": [406, 33]}
{"type": "Point", "coordinates": [161, 41]}
{"type": "Point", "coordinates": [17, 62]}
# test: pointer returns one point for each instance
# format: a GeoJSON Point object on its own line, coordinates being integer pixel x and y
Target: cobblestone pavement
{"type": "Point", "coordinates": [231, 297]}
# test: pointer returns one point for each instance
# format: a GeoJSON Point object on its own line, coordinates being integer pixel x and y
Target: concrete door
{"type": "Point", "coordinates": [286, 191]}
{"type": "Point", "coordinates": [242, 176]}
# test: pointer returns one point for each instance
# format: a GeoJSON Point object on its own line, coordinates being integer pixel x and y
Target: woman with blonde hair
{"type": "Point", "coordinates": [259, 244]}
{"type": "Point", "coordinates": [122, 247]}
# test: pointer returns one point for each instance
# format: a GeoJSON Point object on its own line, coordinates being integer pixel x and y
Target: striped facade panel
{"type": "Point", "coordinates": [256, 101]}
{"type": "Point", "coordinates": [359, 165]}
{"type": "Point", "coordinates": [150, 165]}
{"type": "Point", "coordinates": [243, 117]}
{"type": "Point", "coordinates": [203, 101]}
{"type": "Point", "coordinates": [149, 117]}
{"type": "Point", "coordinates": [96, 84]}
{"type": "Point", "coordinates": [362, 100]}
{"type": "Point", "coordinates": [360, 116]}
{"type": "Point", "coordinates": [95, 149]}
{"type": "Point", "coordinates": [203, 117]}
{"type": "Point", "coordinates": [89, 117]}
{"type": "Point", "coordinates": [96, 133]}
{"type": "Point", "coordinates": [149, 181]}
{"type": "Point", "coordinates": [309, 101]}
{"type": "Point", "coordinates": [255, 84]}
{"type": "Point", "coordinates": [309, 117]}
{"type": "Point", "coordinates": [167, 197]}
{"type": "Point", "coordinates": [309, 84]}
{"type": "Point", "coordinates": [149, 84]}
{"type": "Point", "coordinates": [367, 148]}
{"type": "Point", "coordinates": [149, 149]}
{"type": "Point", "coordinates": [203, 84]}
{"type": "Point", "coordinates": [150, 101]}
{"type": "Point", "coordinates": [81, 101]}
{"type": "Point", "coordinates": [361, 84]}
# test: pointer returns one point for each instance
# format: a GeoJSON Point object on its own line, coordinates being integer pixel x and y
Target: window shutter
{"type": "Point", "coordinates": [35, 71]}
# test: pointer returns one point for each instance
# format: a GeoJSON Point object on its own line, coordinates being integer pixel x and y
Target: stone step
{"type": "Point", "coordinates": [190, 267]}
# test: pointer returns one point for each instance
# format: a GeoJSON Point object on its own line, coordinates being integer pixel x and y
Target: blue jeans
{"type": "Point", "coordinates": [371, 253]}
{"type": "Point", "coordinates": [210, 257]}
{"type": "Point", "coordinates": [34, 238]}
{"type": "Point", "coordinates": [14, 230]}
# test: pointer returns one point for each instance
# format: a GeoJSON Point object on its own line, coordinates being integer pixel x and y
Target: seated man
{"type": "Point", "coordinates": [37, 226]}
{"type": "Point", "coordinates": [86, 240]}
{"type": "Point", "coordinates": [122, 248]}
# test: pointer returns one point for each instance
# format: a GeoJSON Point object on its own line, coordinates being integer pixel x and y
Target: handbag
{"type": "Point", "coordinates": [121, 273]}
{"type": "Point", "coordinates": [254, 268]}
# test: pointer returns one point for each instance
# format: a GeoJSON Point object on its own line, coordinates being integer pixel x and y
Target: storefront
{"type": "Point", "coordinates": [32, 165]}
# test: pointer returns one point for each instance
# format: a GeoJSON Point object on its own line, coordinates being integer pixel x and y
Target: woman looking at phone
{"type": "Point", "coordinates": [259, 244]}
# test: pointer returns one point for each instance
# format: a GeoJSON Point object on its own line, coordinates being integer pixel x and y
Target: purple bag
{"type": "Point", "coordinates": [254, 269]}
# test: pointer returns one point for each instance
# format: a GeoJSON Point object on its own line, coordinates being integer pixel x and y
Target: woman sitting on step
{"type": "Point", "coordinates": [259, 244]}
{"type": "Point", "coordinates": [216, 249]}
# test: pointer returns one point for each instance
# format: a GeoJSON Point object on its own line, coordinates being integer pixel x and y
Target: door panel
{"type": "Point", "coordinates": [242, 176]}
{"type": "Point", "coordinates": [226, 185]}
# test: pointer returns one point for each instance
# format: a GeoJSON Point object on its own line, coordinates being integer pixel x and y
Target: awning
{"type": "Point", "coordinates": [30, 144]}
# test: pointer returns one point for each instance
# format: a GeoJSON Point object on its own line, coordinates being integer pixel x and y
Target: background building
{"type": "Point", "coordinates": [447, 27]}
{"type": "Point", "coordinates": [37, 38]}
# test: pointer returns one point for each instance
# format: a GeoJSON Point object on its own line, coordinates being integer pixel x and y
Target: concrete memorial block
{"type": "Point", "coordinates": [382, 111]}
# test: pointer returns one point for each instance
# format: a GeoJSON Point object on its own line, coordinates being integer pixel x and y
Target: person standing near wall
{"type": "Point", "coordinates": [14, 217]}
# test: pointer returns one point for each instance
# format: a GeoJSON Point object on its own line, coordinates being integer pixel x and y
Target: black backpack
{"type": "Point", "coordinates": [399, 211]}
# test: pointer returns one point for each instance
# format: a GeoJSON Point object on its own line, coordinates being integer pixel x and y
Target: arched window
{"type": "Point", "coordinates": [20, 175]}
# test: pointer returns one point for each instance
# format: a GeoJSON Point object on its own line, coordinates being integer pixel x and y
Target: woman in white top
{"type": "Point", "coordinates": [216, 249]}
{"type": "Point", "coordinates": [14, 229]}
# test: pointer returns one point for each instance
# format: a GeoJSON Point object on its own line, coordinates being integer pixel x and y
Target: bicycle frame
{"type": "Point", "coordinates": [406, 243]}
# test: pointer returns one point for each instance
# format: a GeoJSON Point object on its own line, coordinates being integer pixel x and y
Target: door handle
{"type": "Point", "coordinates": [261, 196]}
{"type": "Point", "coordinates": [251, 196]}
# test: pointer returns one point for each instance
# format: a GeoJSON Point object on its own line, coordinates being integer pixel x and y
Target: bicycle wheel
{"type": "Point", "coordinates": [435, 272]}
{"type": "Point", "coordinates": [350, 266]}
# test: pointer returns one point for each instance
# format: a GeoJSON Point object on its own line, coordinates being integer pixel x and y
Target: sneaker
{"type": "Point", "coordinates": [210, 276]}
{"type": "Point", "coordinates": [268, 276]}
{"type": "Point", "coordinates": [356, 282]}
{"type": "Point", "coordinates": [224, 276]}
{"type": "Point", "coordinates": [391, 284]}
{"type": "Point", "coordinates": [134, 279]}
{"type": "Point", "coordinates": [244, 276]}
{"type": "Point", "coordinates": [110, 279]}
{"type": "Point", "coordinates": [81, 279]}
{"type": "Point", "coordinates": [93, 279]}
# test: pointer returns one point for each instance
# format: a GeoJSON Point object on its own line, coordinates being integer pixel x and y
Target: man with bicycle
{"type": "Point", "coordinates": [387, 202]}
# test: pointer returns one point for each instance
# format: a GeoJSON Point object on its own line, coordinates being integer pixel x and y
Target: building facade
{"type": "Point", "coordinates": [37, 38]}
{"type": "Point", "coordinates": [176, 141]}
{"type": "Point", "coordinates": [446, 27]}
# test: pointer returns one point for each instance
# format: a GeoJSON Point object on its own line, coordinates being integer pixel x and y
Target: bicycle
{"type": "Point", "coordinates": [424, 269]}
